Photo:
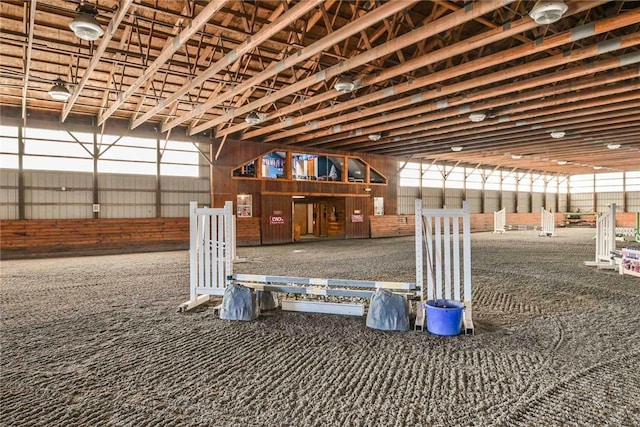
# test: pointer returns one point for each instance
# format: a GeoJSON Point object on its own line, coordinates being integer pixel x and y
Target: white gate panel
{"type": "Point", "coordinates": [547, 223]}
{"type": "Point", "coordinates": [605, 239]}
{"type": "Point", "coordinates": [499, 220]}
{"type": "Point", "coordinates": [447, 261]}
{"type": "Point", "coordinates": [211, 249]}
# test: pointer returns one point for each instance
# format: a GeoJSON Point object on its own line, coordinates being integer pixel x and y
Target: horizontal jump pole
{"type": "Point", "coordinates": [309, 281]}
{"type": "Point", "coordinates": [305, 290]}
{"type": "Point", "coordinates": [346, 309]}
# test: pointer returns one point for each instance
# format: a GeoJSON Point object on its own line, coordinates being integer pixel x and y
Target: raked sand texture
{"type": "Point", "coordinates": [96, 341]}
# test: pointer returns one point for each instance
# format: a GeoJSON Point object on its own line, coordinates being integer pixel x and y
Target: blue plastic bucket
{"type": "Point", "coordinates": [444, 317]}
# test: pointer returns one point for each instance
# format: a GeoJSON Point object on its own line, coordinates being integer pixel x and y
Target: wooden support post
{"type": "Point", "coordinates": [21, 209]}
{"type": "Point", "coordinates": [158, 184]}
{"type": "Point", "coordinates": [96, 154]}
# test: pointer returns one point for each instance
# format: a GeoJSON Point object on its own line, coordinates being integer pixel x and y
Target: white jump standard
{"type": "Point", "coordinates": [605, 240]}
{"type": "Point", "coordinates": [211, 269]}
{"type": "Point", "coordinates": [499, 220]}
{"type": "Point", "coordinates": [547, 223]}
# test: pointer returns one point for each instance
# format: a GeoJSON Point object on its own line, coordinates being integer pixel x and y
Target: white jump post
{"type": "Point", "coordinates": [499, 220]}
{"type": "Point", "coordinates": [210, 253]}
{"type": "Point", "coordinates": [547, 223]}
{"type": "Point", "coordinates": [438, 230]}
{"type": "Point", "coordinates": [605, 240]}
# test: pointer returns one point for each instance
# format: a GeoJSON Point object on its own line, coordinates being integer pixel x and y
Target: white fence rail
{"type": "Point", "coordinates": [499, 220]}
{"type": "Point", "coordinates": [447, 260]}
{"type": "Point", "coordinates": [605, 239]}
{"type": "Point", "coordinates": [547, 223]}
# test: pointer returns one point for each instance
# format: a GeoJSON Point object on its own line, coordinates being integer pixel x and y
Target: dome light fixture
{"type": "Point", "coordinates": [613, 146]}
{"type": "Point", "coordinates": [597, 167]}
{"type": "Point", "coordinates": [344, 85]}
{"type": "Point", "coordinates": [477, 117]}
{"type": "Point", "coordinates": [516, 156]}
{"type": "Point", "coordinates": [562, 162]}
{"type": "Point", "coordinates": [374, 137]}
{"type": "Point", "coordinates": [85, 25]}
{"type": "Point", "coordinates": [59, 91]}
{"type": "Point", "coordinates": [557, 134]}
{"type": "Point", "coordinates": [456, 148]}
{"type": "Point", "coordinates": [253, 118]}
{"type": "Point", "coordinates": [546, 12]}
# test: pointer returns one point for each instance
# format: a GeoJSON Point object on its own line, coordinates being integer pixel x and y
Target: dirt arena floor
{"type": "Point", "coordinates": [96, 341]}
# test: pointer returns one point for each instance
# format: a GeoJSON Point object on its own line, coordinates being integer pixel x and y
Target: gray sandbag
{"type": "Point", "coordinates": [267, 300]}
{"type": "Point", "coordinates": [239, 303]}
{"type": "Point", "coordinates": [388, 312]}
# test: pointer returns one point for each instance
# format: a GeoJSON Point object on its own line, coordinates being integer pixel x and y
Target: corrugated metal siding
{"type": "Point", "coordinates": [453, 198]}
{"type": "Point", "coordinates": [509, 201]}
{"type": "Point", "coordinates": [8, 194]}
{"type": "Point", "coordinates": [69, 195]}
{"type": "Point", "coordinates": [537, 202]}
{"type": "Point", "coordinates": [605, 199]}
{"type": "Point", "coordinates": [491, 201]}
{"type": "Point", "coordinates": [177, 192]}
{"type": "Point", "coordinates": [406, 200]}
{"type": "Point", "coordinates": [633, 201]}
{"type": "Point", "coordinates": [127, 196]}
{"type": "Point", "coordinates": [582, 202]}
{"type": "Point", "coordinates": [57, 195]}
{"type": "Point", "coordinates": [474, 197]}
{"type": "Point", "coordinates": [431, 198]}
{"type": "Point", "coordinates": [524, 205]}
{"type": "Point", "coordinates": [562, 200]}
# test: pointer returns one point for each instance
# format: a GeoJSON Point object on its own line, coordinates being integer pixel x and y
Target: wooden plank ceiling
{"type": "Point", "coordinates": [419, 68]}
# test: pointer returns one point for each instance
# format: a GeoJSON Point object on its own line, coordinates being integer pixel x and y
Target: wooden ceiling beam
{"type": "Point", "coordinates": [542, 142]}
{"type": "Point", "coordinates": [385, 75]}
{"type": "Point", "coordinates": [609, 112]}
{"type": "Point", "coordinates": [542, 137]}
{"type": "Point", "coordinates": [250, 43]}
{"type": "Point", "coordinates": [451, 123]}
{"type": "Point", "coordinates": [423, 123]}
{"type": "Point", "coordinates": [169, 49]}
{"type": "Point", "coordinates": [123, 9]}
{"type": "Point", "coordinates": [368, 56]}
{"type": "Point", "coordinates": [459, 127]}
{"type": "Point", "coordinates": [27, 55]}
{"type": "Point", "coordinates": [330, 125]}
{"type": "Point", "coordinates": [398, 119]}
{"type": "Point", "coordinates": [340, 34]}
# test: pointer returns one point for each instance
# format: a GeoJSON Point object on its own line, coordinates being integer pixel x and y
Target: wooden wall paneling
{"type": "Point", "coordinates": [277, 206]}
{"type": "Point", "coordinates": [358, 230]}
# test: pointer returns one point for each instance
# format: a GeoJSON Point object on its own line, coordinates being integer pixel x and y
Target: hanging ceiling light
{"type": "Point", "coordinates": [253, 118]}
{"type": "Point", "coordinates": [547, 12]}
{"type": "Point", "coordinates": [375, 137]}
{"type": "Point", "coordinates": [456, 148]}
{"type": "Point", "coordinates": [613, 146]}
{"type": "Point", "coordinates": [344, 85]}
{"type": "Point", "coordinates": [85, 25]}
{"type": "Point", "coordinates": [557, 134]}
{"type": "Point", "coordinates": [477, 117]}
{"type": "Point", "coordinates": [59, 91]}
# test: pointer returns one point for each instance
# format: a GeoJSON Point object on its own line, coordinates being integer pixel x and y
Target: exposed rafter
{"type": "Point", "coordinates": [169, 49]}
{"type": "Point", "coordinates": [123, 9]}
